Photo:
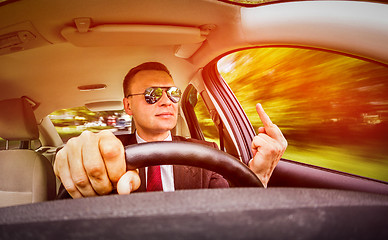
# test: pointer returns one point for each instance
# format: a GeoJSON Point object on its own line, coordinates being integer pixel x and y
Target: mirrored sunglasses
{"type": "Point", "coordinates": [153, 94]}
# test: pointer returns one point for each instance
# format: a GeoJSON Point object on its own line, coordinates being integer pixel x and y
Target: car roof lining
{"type": "Point", "coordinates": [307, 23]}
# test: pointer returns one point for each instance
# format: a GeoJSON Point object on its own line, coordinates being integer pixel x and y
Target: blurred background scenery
{"type": "Point", "coordinates": [73, 121]}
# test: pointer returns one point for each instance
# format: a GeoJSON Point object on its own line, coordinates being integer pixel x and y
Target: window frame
{"type": "Point", "coordinates": [241, 129]}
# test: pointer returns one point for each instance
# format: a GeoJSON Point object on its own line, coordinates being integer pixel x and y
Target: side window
{"type": "Point", "coordinates": [206, 123]}
{"type": "Point", "coordinates": [202, 115]}
{"type": "Point", "coordinates": [72, 122]}
{"type": "Point", "coordinates": [332, 109]}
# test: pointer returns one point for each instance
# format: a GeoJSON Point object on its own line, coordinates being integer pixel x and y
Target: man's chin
{"type": "Point", "coordinates": [167, 124]}
{"type": "Point", "coordinates": [161, 128]}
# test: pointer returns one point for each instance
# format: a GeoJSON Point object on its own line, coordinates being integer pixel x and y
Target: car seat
{"type": "Point", "coordinates": [25, 175]}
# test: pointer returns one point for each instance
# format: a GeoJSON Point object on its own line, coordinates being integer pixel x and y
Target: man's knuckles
{"type": "Point", "coordinates": [111, 149]}
{"type": "Point", "coordinates": [274, 150]}
{"type": "Point", "coordinates": [72, 143]}
{"type": "Point", "coordinates": [70, 188]}
{"type": "Point", "coordinates": [105, 133]}
{"type": "Point", "coordinates": [81, 182]}
{"type": "Point", "coordinates": [102, 186]}
{"type": "Point", "coordinates": [284, 144]}
{"type": "Point", "coordinates": [257, 141]}
{"type": "Point", "coordinates": [59, 159]}
{"type": "Point", "coordinates": [95, 171]}
{"type": "Point", "coordinates": [87, 135]}
{"type": "Point", "coordinates": [104, 191]}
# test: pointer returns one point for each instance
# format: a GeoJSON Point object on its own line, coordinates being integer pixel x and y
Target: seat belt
{"type": "Point", "coordinates": [220, 126]}
{"type": "Point", "coordinates": [221, 135]}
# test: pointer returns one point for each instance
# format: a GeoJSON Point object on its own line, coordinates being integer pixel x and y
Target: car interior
{"type": "Point", "coordinates": [62, 54]}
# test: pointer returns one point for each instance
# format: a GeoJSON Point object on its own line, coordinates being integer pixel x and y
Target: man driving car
{"type": "Point", "coordinates": [94, 164]}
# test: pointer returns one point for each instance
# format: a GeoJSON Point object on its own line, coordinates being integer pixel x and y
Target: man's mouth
{"type": "Point", "coordinates": [165, 114]}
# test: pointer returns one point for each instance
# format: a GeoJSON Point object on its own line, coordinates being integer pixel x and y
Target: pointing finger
{"type": "Point", "coordinates": [269, 128]}
{"type": "Point", "coordinates": [263, 116]}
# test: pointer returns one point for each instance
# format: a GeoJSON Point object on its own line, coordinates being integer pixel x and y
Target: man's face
{"type": "Point", "coordinates": [153, 121]}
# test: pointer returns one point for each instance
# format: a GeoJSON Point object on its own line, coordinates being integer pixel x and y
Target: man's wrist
{"type": "Point", "coordinates": [262, 177]}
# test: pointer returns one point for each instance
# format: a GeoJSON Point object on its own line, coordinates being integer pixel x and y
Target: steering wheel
{"type": "Point", "coordinates": [191, 154]}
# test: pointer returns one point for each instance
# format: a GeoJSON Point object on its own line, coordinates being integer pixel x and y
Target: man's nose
{"type": "Point", "coordinates": [165, 100]}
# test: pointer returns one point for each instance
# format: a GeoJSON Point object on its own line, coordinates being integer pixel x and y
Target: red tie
{"type": "Point", "coordinates": [154, 179]}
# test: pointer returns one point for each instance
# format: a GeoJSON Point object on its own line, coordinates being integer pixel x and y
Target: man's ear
{"type": "Point", "coordinates": [127, 106]}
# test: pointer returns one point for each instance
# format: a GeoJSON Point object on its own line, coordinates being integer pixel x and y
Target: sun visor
{"type": "Point", "coordinates": [131, 34]}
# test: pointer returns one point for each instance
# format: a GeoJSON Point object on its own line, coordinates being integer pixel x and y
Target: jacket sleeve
{"type": "Point", "coordinates": [217, 181]}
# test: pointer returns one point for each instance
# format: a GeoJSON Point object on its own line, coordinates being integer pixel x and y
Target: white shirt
{"type": "Point", "coordinates": [167, 173]}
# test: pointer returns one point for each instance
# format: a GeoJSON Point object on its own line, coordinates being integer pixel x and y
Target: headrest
{"type": "Point", "coordinates": [17, 120]}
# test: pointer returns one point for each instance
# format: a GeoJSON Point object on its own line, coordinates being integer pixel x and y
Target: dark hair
{"type": "Point", "coordinates": [144, 66]}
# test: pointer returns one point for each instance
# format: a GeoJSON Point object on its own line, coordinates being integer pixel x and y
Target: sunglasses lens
{"type": "Point", "coordinates": [152, 96]}
{"type": "Point", "coordinates": [158, 93]}
{"type": "Point", "coordinates": [174, 94]}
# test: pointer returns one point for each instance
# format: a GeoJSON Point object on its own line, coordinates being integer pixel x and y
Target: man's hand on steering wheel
{"type": "Point", "coordinates": [92, 164]}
